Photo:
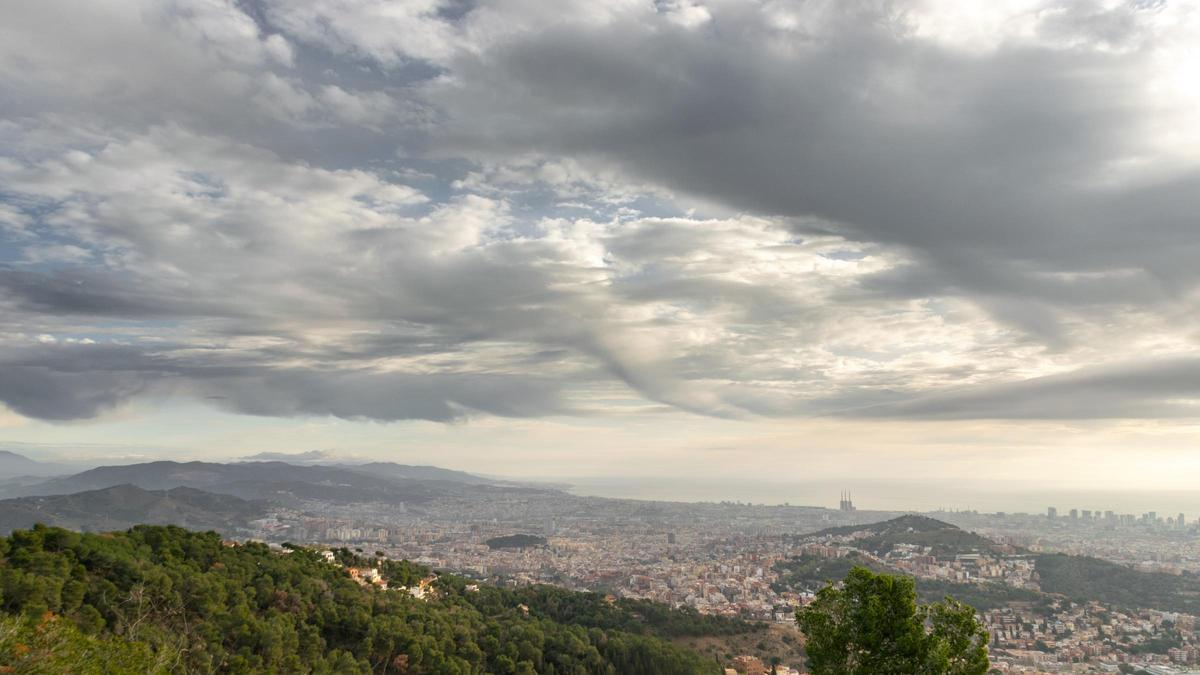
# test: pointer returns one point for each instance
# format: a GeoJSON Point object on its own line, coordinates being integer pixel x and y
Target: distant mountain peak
{"type": "Point", "coordinates": [298, 457]}
{"type": "Point", "coordinates": [15, 464]}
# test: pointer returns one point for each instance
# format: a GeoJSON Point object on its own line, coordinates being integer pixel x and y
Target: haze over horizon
{"type": "Point", "coordinates": [726, 242]}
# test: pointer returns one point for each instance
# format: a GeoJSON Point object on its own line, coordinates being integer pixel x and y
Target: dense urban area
{"type": "Point", "coordinates": [729, 559]}
{"type": "Point", "coordinates": [1072, 591]}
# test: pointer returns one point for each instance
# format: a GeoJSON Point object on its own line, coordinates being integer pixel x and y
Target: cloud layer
{"type": "Point", "coordinates": [424, 210]}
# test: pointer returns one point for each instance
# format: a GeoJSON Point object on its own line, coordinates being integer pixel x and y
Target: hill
{"type": "Point", "coordinates": [123, 506]}
{"type": "Point", "coordinates": [278, 481]}
{"type": "Point", "coordinates": [410, 472]}
{"type": "Point", "coordinates": [380, 469]}
{"type": "Point", "coordinates": [879, 538]}
{"type": "Point", "coordinates": [1082, 578]}
{"type": "Point", "coordinates": [515, 541]}
{"type": "Point", "coordinates": [184, 599]}
{"type": "Point", "coordinates": [907, 523]}
{"type": "Point", "coordinates": [810, 573]}
{"type": "Point", "coordinates": [13, 465]}
{"type": "Point", "coordinates": [164, 475]}
{"type": "Point", "coordinates": [1078, 578]}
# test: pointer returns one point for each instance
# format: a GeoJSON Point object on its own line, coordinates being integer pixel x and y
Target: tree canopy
{"type": "Point", "coordinates": [871, 623]}
{"type": "Point", "coordinates": [163, 599]}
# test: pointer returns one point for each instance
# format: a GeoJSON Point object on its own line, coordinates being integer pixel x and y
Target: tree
{"type": "Point", "coordinates": [161, 599]}
{"type": "Point", "coordinates": [873, 624]}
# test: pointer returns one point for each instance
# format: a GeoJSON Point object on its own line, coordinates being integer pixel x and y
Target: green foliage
{"type": "Point", "coordinates": [163, 597]}
{"type": "Point", "coordinates": [873, 624]}
{"type": "Point", "coordinates": [982, 596]}
{"type": "Point", "coordinates": [809, 572]}
{"type": "Point", "coordinates": [53, 645]}
{"type": "Point", "coordinates": [942, 538]}
{"type": "Point", "coordinates": [1159, 644]}
{"type": "Point", "coordinates": [594, 610]}
{"type": "Point", "coordinates": [515, 541]}
{"type": "Point", "coordinates": [1082, 578]}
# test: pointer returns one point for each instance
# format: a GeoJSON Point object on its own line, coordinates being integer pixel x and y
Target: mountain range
{"type": "Point", "coordinates": [15, 465]}
{"type": "Point", "coordinates": [122, 506]}
{"type": "Point", "coordinates": [219, 495]}
{"type": "Point", "coordinates": [382, 481]}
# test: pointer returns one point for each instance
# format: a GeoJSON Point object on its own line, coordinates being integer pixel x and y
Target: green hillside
{"type": "Point", "coordinates": [1082, 578]}
{"type": "Point", "coordinates": [942, 538]}
{"type": "Point", "coordinates": [811, 573]}
{"type": "Point", "coordinates": [182, 601]}
{"type": "Point", "coordinates": [515, 541]}
{"type": "Point", "coordinates": [124, 506]}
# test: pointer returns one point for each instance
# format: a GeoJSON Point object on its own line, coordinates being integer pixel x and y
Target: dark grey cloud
{"type": "Point", "coordinates": [988, 167]}
{"type": "Point", "coordinates": [80, 381]}
{"type": "Point", "coordinates": [97, 293]}
{"type": "Point", "coordinates": [1161, 388]}
{"type": "Point", "coordinates": [731, 208]}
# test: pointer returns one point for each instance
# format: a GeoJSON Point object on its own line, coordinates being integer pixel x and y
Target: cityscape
{"type": "Point", "coordinates": [633, 337]}
{"type": "Point", "coordinates": [729, 558]}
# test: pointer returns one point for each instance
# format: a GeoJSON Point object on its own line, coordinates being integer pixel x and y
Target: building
{"type": "Point", "coordinates": [846, 504]}
{"type": "Point", "coordinates": [750, 665]}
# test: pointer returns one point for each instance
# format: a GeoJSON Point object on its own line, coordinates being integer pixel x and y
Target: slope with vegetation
{"type": "Point", "coordinates": [184, 601]}
{"type": "Point", "coordinates": [942, 538]}
{"type": "Point", "coordinates": [516, 541]}
{"type": "Point", "coordinates": [124, 506]}
{"type": "Point", "coordinates": [1082, 579]}
{"type": "Point", "coordinates": [807, 572]}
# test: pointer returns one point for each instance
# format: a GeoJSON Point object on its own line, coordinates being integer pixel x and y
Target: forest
{"type": "Point", "coordinates": [1083, 579]}
{"type": "Point", "coordinates": [164, 599]}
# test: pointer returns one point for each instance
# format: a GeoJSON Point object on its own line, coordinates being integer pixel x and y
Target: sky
{"type": "Point", "coordinates": [824, 242]}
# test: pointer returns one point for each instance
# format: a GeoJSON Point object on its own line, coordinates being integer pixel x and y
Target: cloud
{"type": "Point", "coordinates": [439, 211]}
{"type": "Point", "coordinates": [68, 382]}
{"type": "Point", "coordinates": [315, 456]}
{"type": "Point", "coordinates": [1002, 172]}
{"type": "Point", "coordinates": [1161, 388]}
{"type": "Point", "coordinates": [353, 290]}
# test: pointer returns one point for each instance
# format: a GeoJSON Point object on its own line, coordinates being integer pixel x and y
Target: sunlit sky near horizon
{"type": "Point", "coordinates": [808, 242]}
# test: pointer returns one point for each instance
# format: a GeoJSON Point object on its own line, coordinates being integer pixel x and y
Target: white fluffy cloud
{"type": "Point", "coordinates": [440, 210]}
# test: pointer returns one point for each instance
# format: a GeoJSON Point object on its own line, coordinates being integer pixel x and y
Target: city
{"type": "Point", "coordinates": [726, 559]}
{"type": "Point", "coordinates": [630, 337]}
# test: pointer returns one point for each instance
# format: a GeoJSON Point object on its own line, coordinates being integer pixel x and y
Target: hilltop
{"type": "Point", "coordinates": [942, 538]}
{"type": "Point", "coordinates": [1079, 579]}
{"type": "Point", "coordinates": [13, 464]}
{"type": "Point", "coordinates": [516, 541]}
